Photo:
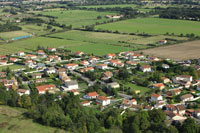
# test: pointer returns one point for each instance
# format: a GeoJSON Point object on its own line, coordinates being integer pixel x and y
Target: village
{"type": "Point", "coordinates": [101, 81]}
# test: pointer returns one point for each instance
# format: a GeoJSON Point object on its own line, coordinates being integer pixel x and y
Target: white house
{"type": "Point", "coordinates": [165, 66]}
{"type": "Point", "coordinates": [183, 78]}
{"type": "Point", "coordinates": [50, 70]}
{"type": "Point", "coordinates": [145, 68]}
{"type": "Point", "coordinates": [86, 103]}
{"type": "Point", "coordinates": [23, 92]}
{"type": "Point", "coordinates": [3, 62]}
{"type": "Point", "coordinates": [103, 100]}
{"type": "Point", "coordinates": [72, 66]}
{"type": "Point", "coordinates": [91, 95]}
{"type": "Point", "coordinates": [71, 85]}
{"type": "Point", "coordinates": [156, 98]}
{"type": "Point", "coordinates": [113, 85]}
{"type": "Point", "coordinates": [102, 66]}
{"type": "Point", "coordinates": [21, 53]}
{"type": "Point", "coordinates": [186, 97]}
{"type": "Point", "coordinates": [110, 56]}
{"type": "Point", "coordinates": [52, 49]}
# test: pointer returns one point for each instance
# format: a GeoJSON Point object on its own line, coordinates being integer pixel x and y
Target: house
{"type": "Point", "coordinates": [20, 53]}
{"type": "Point", "coordinates": [3, 62]}
{"type": "Point", "coordinates": [182, 78]}
{"type": "Point", "coordinates": [102, 66]}
{"type": "Point", "coordinates": [37, 75]}
{"type": "Point", "coordinates": [84, 63]}
{"type": "Point", "coordinates": [3, 74]}
{"type": "Point", "coordinates": [145, 68]}
{"type": "Point", "coordinates": [74, 91]}
{"type": "Point", "coordinates": [91, 95]}
{"type": "Point", "coordinates": [53, 58]}
{"type": "Point", "coordinates": [113, 85]}
{"type": "Point", "coordinates": [50, 70]}
{"type": "Point", "coordinates": [43, 88]}
{"type": "Point", "coordinates": [60, 70]}
{"type": "Point", "coordinates": [10, 83]}
{"type": "Point", "coordinates": [172, 108]}
{"type": "Point", "coordinates": [128, 53]}
{"type": "Point", "coordinates": [71, 85]}
{"type": "Point", "coordinates": [64, 77]}
{"type": "Point", "coordinates": [135, 56]}
{"type": "Point", "coordinates": [30, 63]}
{"type": "Point", "coordinates": [131, 63]}
{"type": "Point", "coordinates": [86, 103]}
{"type": "Point", "coordinates": [165, 66]}
{"type": "Point", "coordinates": [156, 98]}
{"type": "Point", "coordinates": [94, 59]}
{"type": "Point", "coordinates": [176, 92]}
{"type": "Point", "coordinates": [78, 53]}
{"type": "Point", "coordinates": [153, 58]}
{"type": "Point", "coordinates": [160, 86]}
{"type": "Point", "coordinates": [187, 97]}
{"type": "Point", "coordinates": [128, 103]}
{"type": "Point", "coordinates": [174, 117]}
{"type": "Point", "coordinates": [40, 66]}
{"type": "Point", "coordinates": [40, 52]}
{"type": "Point", "coordinates": [165, 80]}
{"type": "Point", "coordinates": [159, 105]}
{"type": "Point", "coordinates": [198, 87]}
{"type": "Point", "coordinates": [107, 74]}
{"type": "Point", "coordinates": [180, 109]}
{"type": "Point", "coordinates": [3, 57]}
{"type": "Point", "coordinates": [42, 80]}
{"type": "Point", "coordinates": [13, 59]}
{"type": "Point", "coordinates": [23, 92]}
{"type": "Point", "coordinates": [197, 113]}
{"type": "Point", "coordinates": [103, 100]}
{"type": "Point", "coordinates": [52, 49]}
{"type": "Point", "coordinates": [161, 42]}
{"type": "Point", "coordinates": [72, 66]}
{"type": "Point", "coordinates": [87, 69]}
{"type": "Point", "coordinates": [30, 56]}
{"type": "Point", "coordinates": [110, 56]}
{"type": "Point", "coordinates": [115, 62]}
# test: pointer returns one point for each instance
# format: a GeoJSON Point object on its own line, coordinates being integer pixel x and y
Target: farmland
{"type": "Point", "coordinates": [77, 18]}
{"type": "Point", "coordinates": [10, 35]}
{"type": "Point", "coordinates": [184, 51]}
{"type": "Point", "coordinates": [31, 44]}
{"type": "Point", "coordinates": [154, 26]}
{"type": "Point", "coordinates": [12, 120]}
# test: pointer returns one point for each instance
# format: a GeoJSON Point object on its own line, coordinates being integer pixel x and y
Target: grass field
{"type": "Point", "coordinates": [111, 6]}
{"type": "Point", "coordinates": [154, 26]}
{"type": "Point", "coordinates": [12, 34]}
{"type": "Point", "coordinates": [109, 38]}
{"type": "Point", "coordinates": [31, 44]}
{"type": "Point", "coordinates": [12, 67]}
{"type": "Point", "coordinates": [12, 121]}
{"type": "Point", "coordinates": [188, 50]}
{"type": "Point", "coordinates": [77, 18]}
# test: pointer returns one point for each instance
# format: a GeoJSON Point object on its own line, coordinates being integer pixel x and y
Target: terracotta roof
{"type": "Point", "coordinates": [146, 66]}
{"type": "Point", "coordinates": [73, 64]}
{"type": "Point", "coordinates": [92, 94]}
{"type": "Point", "coordinates": [44, 87]}
{"type": "Point", "coordinates": [158, 85]}
{"type": "Point", "coordinates": [156, 95]}
{"type": "Point", "coordinates": [186, 96]}
{"type": "Point", "coordinates": [102, 98]}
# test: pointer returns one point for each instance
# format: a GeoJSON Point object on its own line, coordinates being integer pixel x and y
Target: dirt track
{"type": "Point", "coordinates": [184, 51]}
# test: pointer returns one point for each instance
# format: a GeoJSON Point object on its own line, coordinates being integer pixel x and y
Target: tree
{"type": "Point", "coordinates": [157, 115]}
{"type": "Point", "coordinates": [134, 128]}
{"type": "Point", "coordinates": [189, 126]}
{"type": "Point", "coordinates": [99, 17]}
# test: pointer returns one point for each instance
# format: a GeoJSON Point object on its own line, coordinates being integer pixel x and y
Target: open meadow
{"type": "Point", "coordinates": [13, 121]}
{"type": "Point", "coordinates": [77, 18]}
{"type": "Point", "coordinates": [183, 51]}
{"type": "Point", "coordinates": [154, 26]}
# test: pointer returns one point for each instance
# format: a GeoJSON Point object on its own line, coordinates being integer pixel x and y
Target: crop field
{"type": "Point", "coordinates": [77, 18]}
{"type": "Point", "coordinates": [12, 120]}
{"type": "Point", "coordinates": [31, 44]}
{"type": "Point", "coordinates": [183, 51]}
{"type": "Point", "coordinates": [154, 26]}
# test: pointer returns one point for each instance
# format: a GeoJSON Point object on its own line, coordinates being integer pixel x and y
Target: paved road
{"type": "Point", "coordinates": [124, 95]}
{"type": "Point", "coordinates": [91, 83]}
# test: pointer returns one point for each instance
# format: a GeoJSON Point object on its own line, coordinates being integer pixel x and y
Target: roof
{"type": "Point", "coordinates": [92, 94]}
{"type": "Point", "coordinates": [115, 61]}
{"type": "Point", "coordinates": [45, 87]}
{"type": "Point", "coordinates": [73, 82]}
{"type": "Point", "coordinates": [155, 95]}
{"type": "Point", "coordinates": [21, 90]}
{"type": "Point", "coordinates": [73, 64]}
{"type": "Point", "coordinates": [85, 102]}
{"type": "Point", "coordinates": [186, 96]}
{"type": "Point", "coordinates": [102, 98]}
{"type": "Point", "coordinates": [146, 66]}
{"type": "Point", "coordinates": [158, 85]}
{"type": "Point", "coordinates": [180, 107]}
{"type": "Point", "coordinates": [101, 65]}
{"type": "Point", "coordinates": [111, 54]}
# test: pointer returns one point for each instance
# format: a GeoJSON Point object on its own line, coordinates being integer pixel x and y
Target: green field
{"type": "Point", "coordinates": [13, 121]}
{"type": "Point", "coordinates": [111, 6]}
{"type": "Point", "coordinates": [154, 26]}
{"type": "Point", "coordinates": [12, 34]}
{"type": "Point", "coordinates": [31, 44]}
{"type": "Point", "coordinates": [110, 38]}
{"type": "Point", "coordinates": [12, 67]}
{"type": "Point", "coordinates": [77, 18]}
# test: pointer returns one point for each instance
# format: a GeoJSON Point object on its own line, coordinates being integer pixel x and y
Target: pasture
{"type": "Point", "coordinates": [12, 120]}
{"type": "Point", "coordinates": [77, 18]}
{"type": "Point", "coordinates": [183, 51]}
{"type": "Point", "coordinates": [12, 34]}
{"type": "Point", "coordinates": [154, 26]}
{"type": "Point", "coordinates": [87, 47]}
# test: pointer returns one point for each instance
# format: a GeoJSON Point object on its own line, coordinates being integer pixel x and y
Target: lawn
{"type": "Point", "coordinates": [154, 26]}
{"type": "Point", "coordinates": [12, 120]}
{"type": "Point", "coordinates": [12, 67]}
{"type": "Point", "coordinates": [135, 87]}
{"type": "Point", "coordinates": [77, 18]}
